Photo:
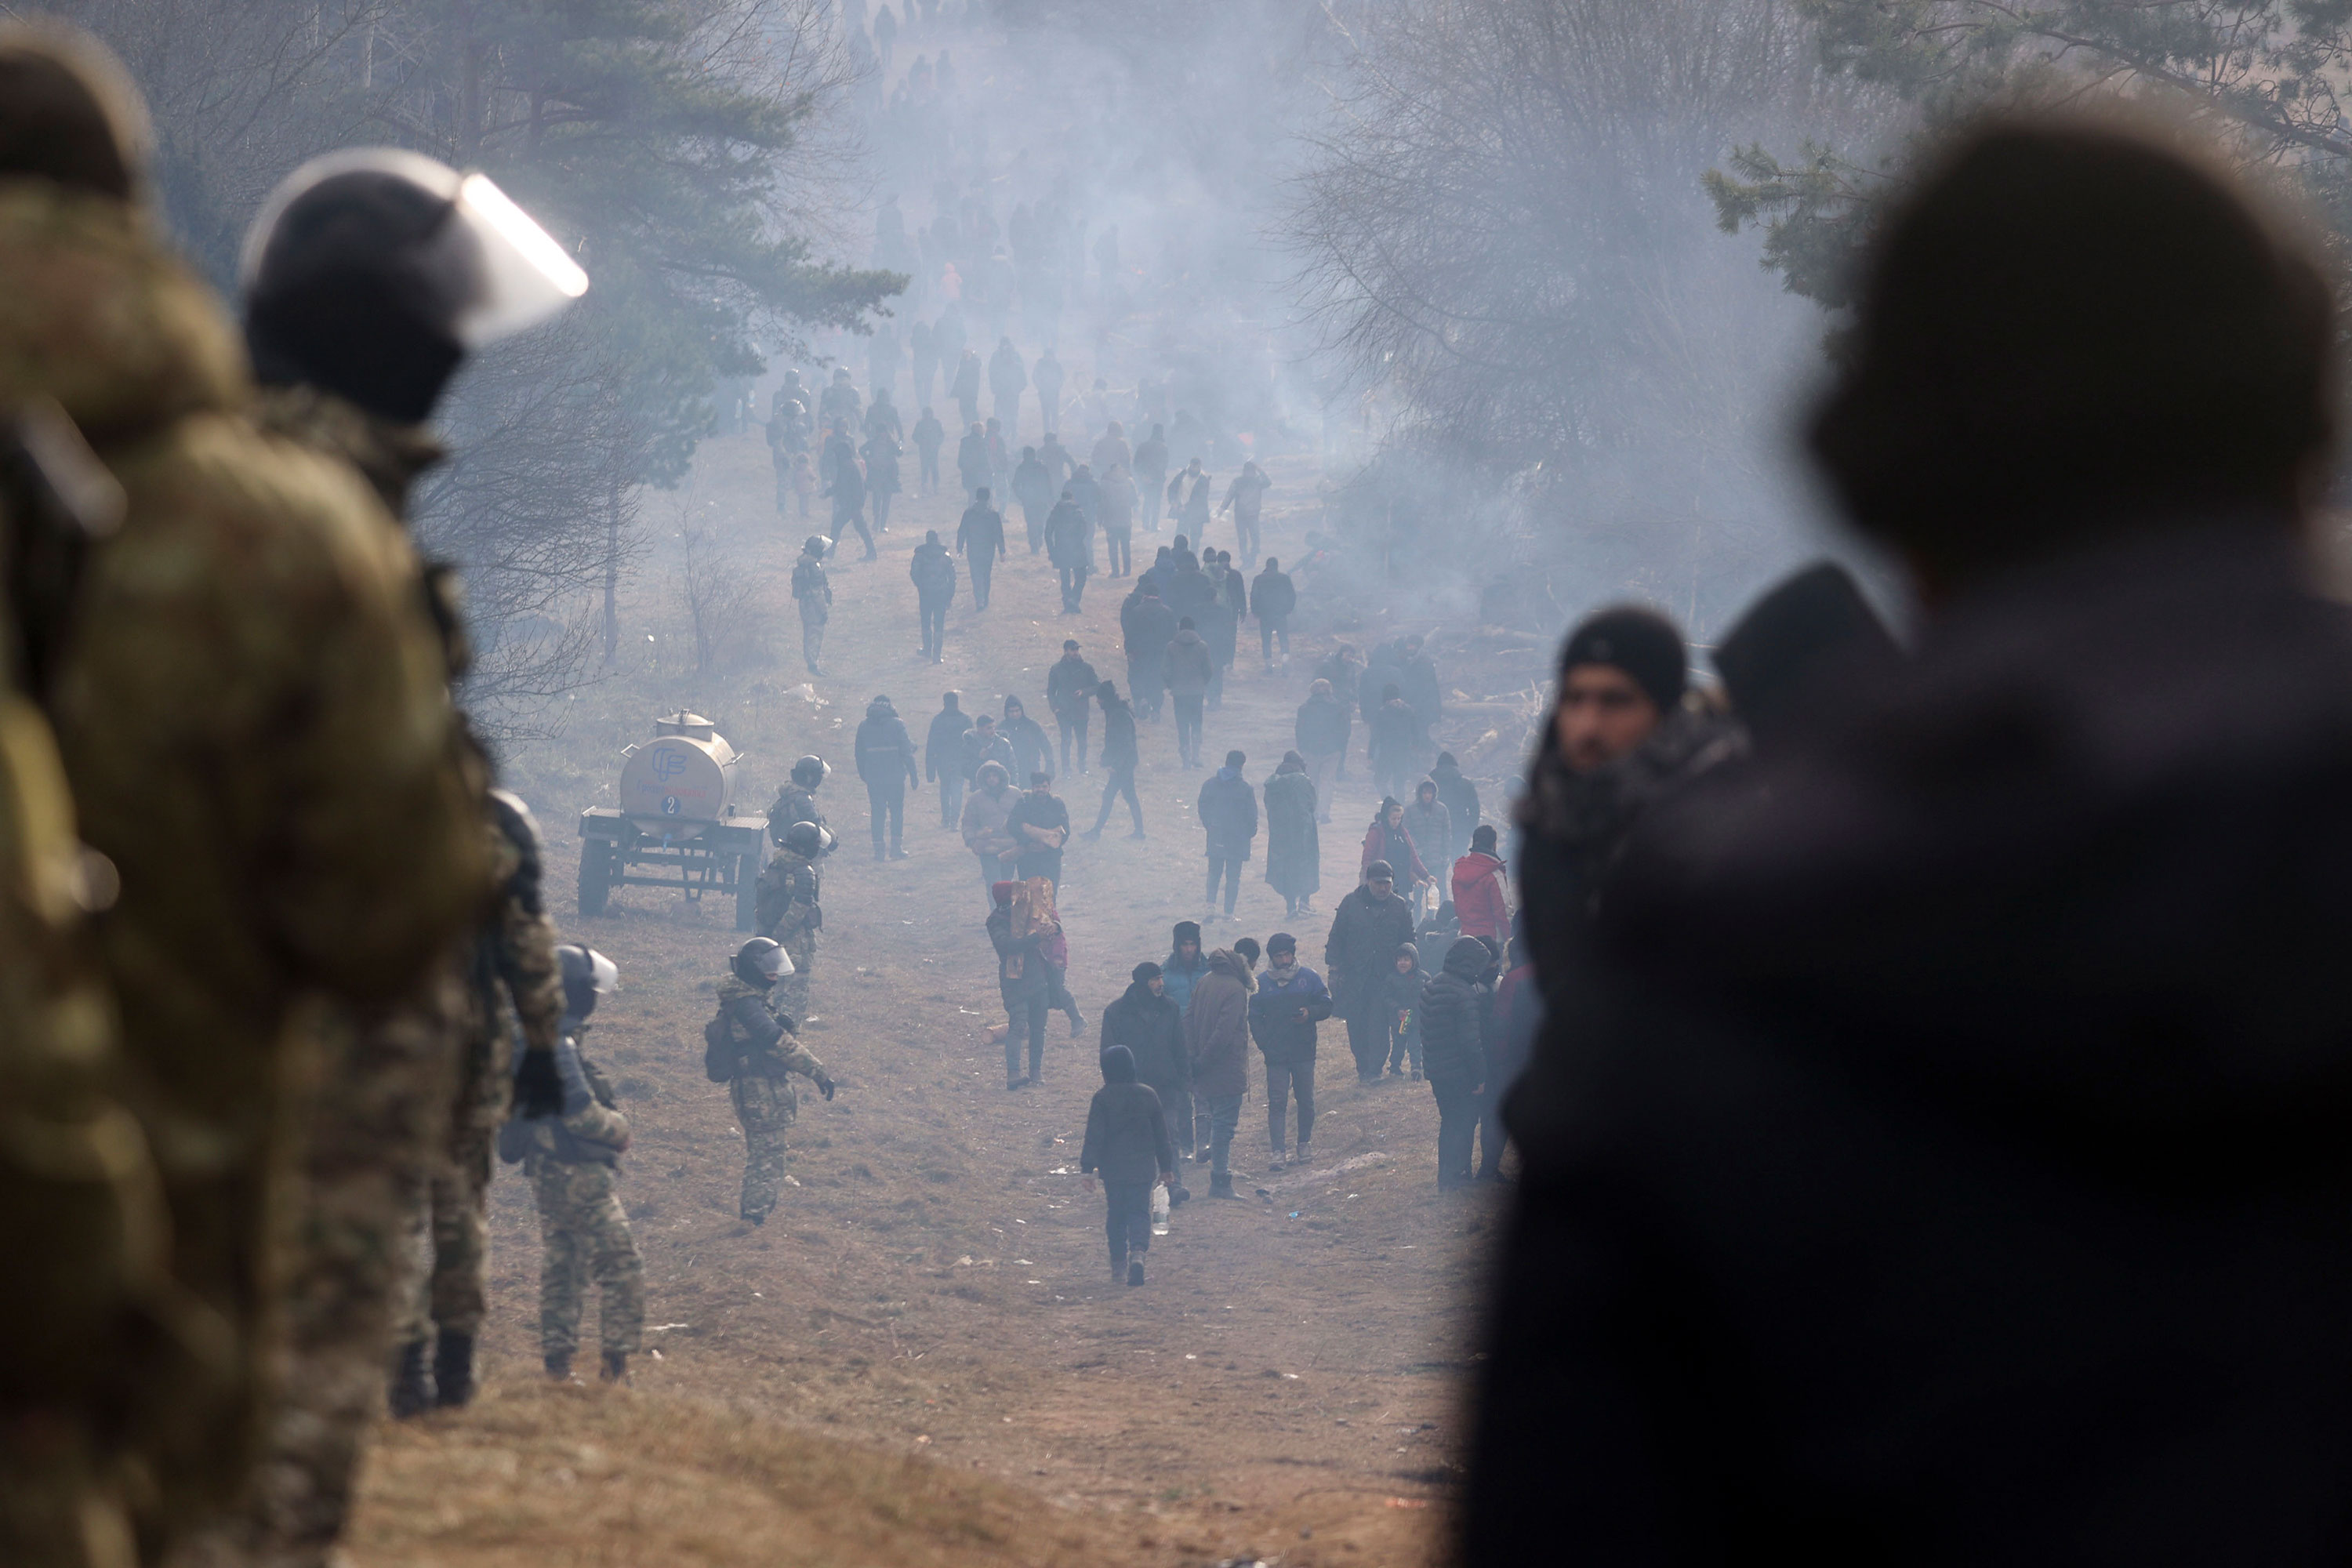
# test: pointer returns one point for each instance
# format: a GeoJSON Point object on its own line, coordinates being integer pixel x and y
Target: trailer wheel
{"type": "Point", "coordinates": [747, 891]}
{"type": "Point", "coordinates": [595, 877]}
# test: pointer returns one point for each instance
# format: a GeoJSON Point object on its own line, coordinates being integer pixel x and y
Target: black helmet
{"type": "Point", "coordinates": [809, 771]}
{"type": "Point", "coordinates": [761, 961]}
{"type": "Point", "coordinates": [803, 838]}
{"type": "Point", "coordinates": [587, 975]}
{"type": "Point", "coordinates": [371, 272]}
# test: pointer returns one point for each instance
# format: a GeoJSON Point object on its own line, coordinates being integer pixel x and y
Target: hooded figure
{"type": "Point", "coordinates": [1460, 798]}
{"type": "Point", "coordinates": [1480, 900]}
{"type": "Point", "coordinates": [1294, 851]}
{"type": "Point", "coordinates": [1127, 1140]}
{"type": "Point", "coordinates": [987, 813]}
{"type": "Point", "coordinates": [886, 761]}
{"type": "Point", "coordinates": [1033, 753]}
{"type": "Point", "coordinates": [1147, 1022]}
{"type": "Point", "coordinates": [1216, 1039]}
{"type": "Point", "coordinates": [1457, 1030]}
{"type": "Point", "coordinates": [1401, 989]}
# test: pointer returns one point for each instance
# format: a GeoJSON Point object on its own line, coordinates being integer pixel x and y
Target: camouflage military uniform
{"type": "Point", "coordinates": [253, 717]}
{"type": "Point", "coordinates": [762, 1088]}
{"type": "Point", "coordinates": [585, 1234]}
{"type": "Point", "coordinates": [786, 910]}
{"type": "Point", "coordinates": [794, 802]}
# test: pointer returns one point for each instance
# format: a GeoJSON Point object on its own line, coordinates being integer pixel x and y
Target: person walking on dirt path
{"type": "Point", "coordinates": [983, 744]}
{"type": "Point", "coordinates": [1069, 693]}
{"type": "Point", "coordinates": [1070, 546]}
{"type": "Point", "coordinates": [570, 1161]}
{"type": "Point", "coordinates": [1151, 1026]}
{"type": "Point", "coordinates": [1366, 928]}
{"type": "Point", "coordinates": [1457, 1027]}
{"type": "Point", "coordinates": [1481, 900]}
{"type": "Point", "coordinates": [1219, 626]}
{"type": "Point", "coordinates": [1033, 753]}
{"type": "Point", "coordinates": [965, 389]}
{"type": "Point", "coordinates": [1293, 846]}
{"type": "Point", "coordinates": [1460, 798]}
{"type": "Point", "coordinates": [987, 813]}
{"type": "Point", "coordinates": [1427, 821]}
{"type": "Point", "coordinates": [1404, 985]}
{"type": "Point", "coordinates": [886, 761]}
{"type": "Point", "coordinates": [1126, 1141]}
{"type": "Point", "coordinates": [1187, 667]}
{"type": "Point", "coordinates": [751, 1047]}
{"type": "Point", "coordinates": [1047, 376]}
{"type": "Point", "coordinates": [1040, 825]}
{"type": "Point", "coordinates": [1120, 756]}
{"type": "Point", "coordinates": [788, 908]}
{"type": "Point", "coordinates": [1322, 729]}
{"type": "Point", "coordinates": [1008, 381]}
{"type": "Point", "coordinates": [1033, 486]}
{"type": "Point", "coordinates": [933, 572]}
{"type": "Point", "coordinates": [1146, 626]}
{"type": "Point", "coordinates": [1216, 1040]}
{"type": "Point", "coordinates": [980, 540]}
{"type": "Point", "coordinates": [1242, 498]}
{"type": "Point", "coordinates": [881, 452]}
{"type": "Point", "coordinates": [846, 485]}
{"type": "Point", "coordinates": [1227, 812]}
{"type": "Point", "coordinates": [1119, 521]}
{"type": "Point", "coordinates": [972, 460]}
{"type": "Point", "coordinates": [929, 436]}
{"type": "Point", "coordinates": [943, 756]}
{"type": "Point", "coordinates": [1151, 475]}
{"type": "Point", "coordinates": [1290, 1000]}
{"type": "Point", "coordinates": [1389, 841]}
{"type": "Point", "coordinates": [813, 594]}
{"type": "Point", "coordinates": [1272, 598]}
{"type": "Point", "coordinates": [1397, 745]}
{"type": "Point", "coordinates": [1021, 983]}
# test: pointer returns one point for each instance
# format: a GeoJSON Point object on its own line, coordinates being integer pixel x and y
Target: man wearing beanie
{"type": "Point", "coordinates": [1943, 1156]}
{"type": "Point", "coordinates": [1151, 1027]}
{"type": "Point", "coordinates": [1181, 971]}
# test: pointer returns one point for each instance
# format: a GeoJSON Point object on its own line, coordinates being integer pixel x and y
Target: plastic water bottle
{"type": "Point", "coordinates": [1159, 1209]}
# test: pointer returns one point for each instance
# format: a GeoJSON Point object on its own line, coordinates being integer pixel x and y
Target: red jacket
{"type": "Point", "coordinates": [1479, 900]}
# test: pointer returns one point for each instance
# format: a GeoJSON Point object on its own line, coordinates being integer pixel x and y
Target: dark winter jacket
{"type": "Point", "coordinates": [1220, 628]}
{"type": "Point", "coordinates": [933, 572]}
{"type": "Point", "coordinates": [1070, 686]}
{"type": "Point", "coordinates": [1396, 739]}
{"type": "Point", "coordinates": [1346, 677]}
{"type": "Point", "coordinates": [1401, 995]}
{"type": "Point", "coordinates": [1153, 1027]}
{"type": "Point", "coordinates": [1293, 846]}
{"type": "Point", "coordinates": [1020, 971]}
{"type": "Point", "coordinates": [1395, 846]}
{"type": "Point", "coordinates": [1118, 749]}
{"type": "Point", "coordinates": [1324, 725]}
{"type": "Point", "coordinates": [1272, 596]}
{"type": "Point", "coordinates": [1417, 679]}
{"type": "Point", "coordinates": [1366, 931]}
{"type": "Point", "coordinates": [943, 742]}
{"type": "Point", "coordinates": [1283, 1037]}
{"type": "Point", "coordinates": [1033, 486]}
{"type": "Point", "coordinates": [1033, 750]}
{"type": "Point", "coordinates": [1188, 667]}
{"type": "Point", "coordinates": [972, 461]}
{"type": "Point", "coordinates": [1146, 625]}
{"type": "Point", "coordinates": [1980, 1061]}
{"type": "Point", "coordinates": [1460, 798]}
{"type": "Point", "coordinates": [980, 537]}
{"type": "Point", "coordinates": [1228, 813]}
{"type": "Point", "coordinates": [1069, 535]}
{"type": "Point", "coordinates": [1457, 1017]}
{"type": "Point", "coordinates": [1216, 1027]}
{"type": "Point", "coordinates": [976, 753]}
{"type": "Point", "coordinates": [1127, 1130]}
{"type": "Point", "coordinates": [885, 752]}
{"type": "Point", "coordinates": [1046, 811]}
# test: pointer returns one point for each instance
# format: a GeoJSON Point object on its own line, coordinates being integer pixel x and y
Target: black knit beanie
{"type": "Point", "coordinates": [1643, 643]}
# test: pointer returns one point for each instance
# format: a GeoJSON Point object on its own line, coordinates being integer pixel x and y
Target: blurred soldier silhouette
{"type": "Point", "coordinates": [251, 707]}
{"type": "Point", "coordinates": [1937, 1150]}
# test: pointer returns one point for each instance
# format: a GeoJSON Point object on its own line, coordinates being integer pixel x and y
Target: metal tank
{"type": "Point", "coordinates": [676, 826]}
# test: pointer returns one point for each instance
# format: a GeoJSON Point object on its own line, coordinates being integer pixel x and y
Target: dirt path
{"type": "Point", "coordinates": [935, 1282]}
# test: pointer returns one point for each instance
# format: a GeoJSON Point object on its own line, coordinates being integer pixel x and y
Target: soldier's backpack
{"type": "Point", "coordinates": [720, 1053]}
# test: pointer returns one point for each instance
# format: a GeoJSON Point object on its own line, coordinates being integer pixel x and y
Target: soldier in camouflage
{"type": "Point", "coordinates": [788, 912]}
{"type": "Point", "coordinates": [252, 714]}
{"type": "Point", "coordinates": [570, 1161]}
{"type": "Point", "coordinates": [796, 802]}
{"type": "Point", "coordinates": [751, 1047]}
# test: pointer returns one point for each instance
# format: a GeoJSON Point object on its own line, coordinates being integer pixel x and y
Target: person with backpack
{"type": "Point", "coordinates": [1126, 1141]}
{"type": "Point", "coordinates": [571, 1160]}
{"type": "Point", "coordinates": [749, 1047]}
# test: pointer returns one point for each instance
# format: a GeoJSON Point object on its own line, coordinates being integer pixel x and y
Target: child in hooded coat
{"type": "Point", "coordinates": [1126, 1141]}
{"type": "Point", "coordinates": [1400, 988]}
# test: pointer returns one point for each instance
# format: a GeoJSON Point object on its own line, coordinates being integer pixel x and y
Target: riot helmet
{"type": "Point", "coordinates": [804, 838]}
{"type": "Point", "coordinates": [810, 772]}
{"type": "Point", "coordinates": [373, 272]}
{"type": "Point", "coordinates": [587, 975]}
{"type": "Point", "coordinates": [69, 112]}
{"type": "Point", "coordinates": [761, 961]}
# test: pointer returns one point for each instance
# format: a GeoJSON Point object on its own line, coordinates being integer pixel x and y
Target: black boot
{"type": "Point", "coordinates": [559, 1366]}
{"type": "Point", "coordinates": [616, 1367]}
{"type": "Point", "coordinates": [412, 1388]}
{"type": "Point", "coordinates": [1221, 1186]}
{"type": "Point", "coordinates": [453, 1370]}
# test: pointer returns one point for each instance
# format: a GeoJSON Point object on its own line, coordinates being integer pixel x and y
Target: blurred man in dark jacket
{"type": "Point", "coordinates": [1227, 810]}
{"type": "Point", "coordinates": [1126, 1141]}
{"type": "Point", "coordinates": [1950, 1164]}
{"type": "Point", "coordinates": [942, 754]}
{"type": "Point", "coordinates": [1216, 1039]}
{"type": "Point", "coordinates": [1290, 1000]}
{"type": "Point", "coordinates": [1147, 1022]}
{"type": "Point", "coordinates": [886, 761]}
{"type": "Point", "coordinates": [1366, 928]}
